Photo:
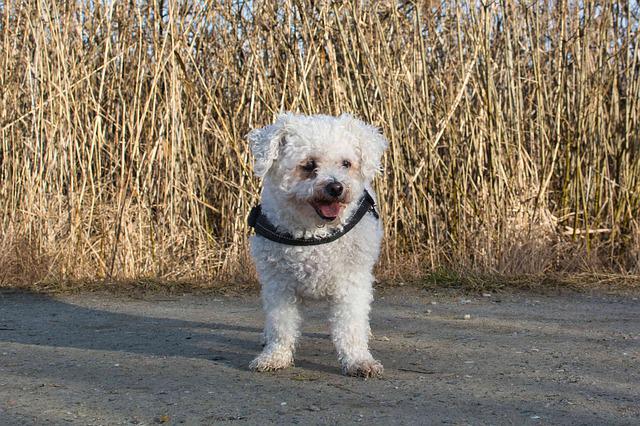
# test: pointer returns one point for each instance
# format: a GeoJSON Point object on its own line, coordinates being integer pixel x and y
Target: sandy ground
{"type": "Point", "coordinates": [518, 359]}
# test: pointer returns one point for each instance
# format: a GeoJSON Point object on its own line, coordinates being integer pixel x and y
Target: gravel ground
{"type": "Point", "coordinates": [492, 359]}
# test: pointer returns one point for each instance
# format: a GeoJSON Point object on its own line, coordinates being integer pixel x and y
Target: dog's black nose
{"type": "Point", "coordinates": [335, 189]}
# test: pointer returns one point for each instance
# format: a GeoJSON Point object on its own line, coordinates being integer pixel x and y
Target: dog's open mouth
{"type": "Point", "coordinates": [327, 210]}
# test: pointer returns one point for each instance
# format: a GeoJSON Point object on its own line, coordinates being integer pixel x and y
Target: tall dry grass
{"type": "Point", "coordinates": [513, 129]}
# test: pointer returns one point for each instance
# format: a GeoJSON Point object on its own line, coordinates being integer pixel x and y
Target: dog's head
{"type": "Point", "coordinates": [316, 166]}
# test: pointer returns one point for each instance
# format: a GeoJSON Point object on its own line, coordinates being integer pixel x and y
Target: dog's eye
{"type": "Point", "coordinates": [309, 166]}
{"type": "Point", "coordinates": [346, 164]}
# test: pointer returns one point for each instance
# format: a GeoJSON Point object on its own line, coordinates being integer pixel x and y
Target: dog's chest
{"type": "Point", "coordinates": [318, 271]}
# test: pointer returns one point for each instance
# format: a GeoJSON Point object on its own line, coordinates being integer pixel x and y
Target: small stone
{"type": "Point", "coordinates": [467, 316]}
{"type": "Point", "coordinates": [163, 419]}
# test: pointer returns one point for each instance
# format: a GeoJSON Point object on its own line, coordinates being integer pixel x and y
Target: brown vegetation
{"type": "Point", "coordinates": [513, 129]}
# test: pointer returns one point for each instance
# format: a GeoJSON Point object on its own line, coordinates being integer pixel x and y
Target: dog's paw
{"type": "Point", "coordinates": [271, 362]}
{"type": "Point", "coordinates": [366, 368]}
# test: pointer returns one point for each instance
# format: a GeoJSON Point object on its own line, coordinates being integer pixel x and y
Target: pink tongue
{"type": "Point", "coordinates": [329, 210]}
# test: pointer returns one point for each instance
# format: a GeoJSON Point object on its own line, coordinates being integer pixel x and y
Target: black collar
{"type": "Point", "coordinates": [263, 227]}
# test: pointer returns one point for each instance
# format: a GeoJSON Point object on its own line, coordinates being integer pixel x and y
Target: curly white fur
{"type": "Point", "coordinates": [339, 149]}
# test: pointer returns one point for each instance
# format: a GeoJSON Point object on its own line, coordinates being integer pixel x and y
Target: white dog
{"type": "Point", "coordinates": [317, 172]}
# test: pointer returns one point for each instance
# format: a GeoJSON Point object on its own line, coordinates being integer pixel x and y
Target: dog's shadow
{"type": "Point", "coordinates": [35, 319]}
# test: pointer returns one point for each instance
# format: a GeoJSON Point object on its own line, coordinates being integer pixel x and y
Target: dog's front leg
{"type": "Point", "coordinates": [281, 330]}
{"type": "Point", "coordinates": [350, 332]}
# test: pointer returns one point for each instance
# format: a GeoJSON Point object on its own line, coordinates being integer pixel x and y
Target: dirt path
{"type": "Point", "coordinates": [518, 359]}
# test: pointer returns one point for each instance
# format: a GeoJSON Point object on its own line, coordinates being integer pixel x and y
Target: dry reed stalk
{"type": "Point", "coordinates": [513, 128]}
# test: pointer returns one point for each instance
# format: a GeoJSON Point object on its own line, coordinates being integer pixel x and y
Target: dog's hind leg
{"type": "Point", "coordinates": [281, 331]}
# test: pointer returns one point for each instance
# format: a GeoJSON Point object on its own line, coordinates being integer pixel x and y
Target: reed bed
{"type": "Point", "coordinates": [513, 130]}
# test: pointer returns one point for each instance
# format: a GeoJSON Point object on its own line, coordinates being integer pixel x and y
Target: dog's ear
{"type": "Point", "coordinates": [371, 145]}
{"type": "Point", "coordinates": [265, 144]}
